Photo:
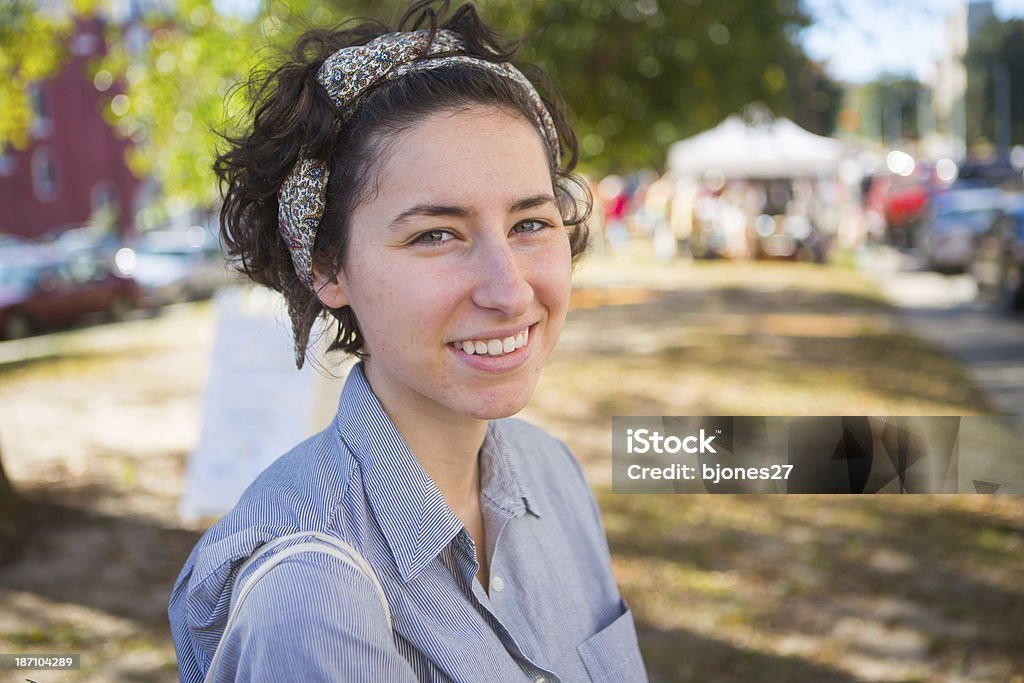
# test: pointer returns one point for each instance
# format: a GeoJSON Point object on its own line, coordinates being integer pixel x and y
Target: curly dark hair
{"type": "Point", "coordinates": [292, 114]}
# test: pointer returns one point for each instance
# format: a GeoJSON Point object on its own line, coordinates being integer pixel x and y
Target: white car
{"type": "Point", "coordinates": [955, 221]}
{"type": "Point", "coordinates": [173, 265]}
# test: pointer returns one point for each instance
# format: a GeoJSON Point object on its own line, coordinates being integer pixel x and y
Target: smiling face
{"type": "Point", "coordinates": [458, 268]}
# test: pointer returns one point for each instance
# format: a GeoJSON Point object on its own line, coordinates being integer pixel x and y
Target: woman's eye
{"type": "Point", "coordinates": [530, 226]}
{"type": "Point", "coordinates": [433, 237]}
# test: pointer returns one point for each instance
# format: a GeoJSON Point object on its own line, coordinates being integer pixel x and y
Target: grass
{"type": "Point", "coordinates": [736, 339]}
{"type": "Point", "coordinates": [822, 588]}
{"type": "Point", "coordinates": [801, 588]}
{"type": "Point", "coordinates": [723, 588]}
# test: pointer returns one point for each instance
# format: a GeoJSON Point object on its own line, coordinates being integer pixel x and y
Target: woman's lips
{"type": "Point", "coordinates": [494, 345]}
{"type": "Point", "coordinates": [490, 354]}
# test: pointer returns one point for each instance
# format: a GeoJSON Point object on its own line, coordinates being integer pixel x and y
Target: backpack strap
{"type": "Point", "coordinates": [317, 542]}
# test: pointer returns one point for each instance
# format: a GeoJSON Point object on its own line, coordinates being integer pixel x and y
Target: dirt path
{"type": "Point", "coordinates": [947, 311]}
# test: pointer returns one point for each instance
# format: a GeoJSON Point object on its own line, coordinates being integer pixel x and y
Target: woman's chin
{"type": "Point", "coordinates": [495, 412]}
{"type": "Point", "coordinates": [496, 405]}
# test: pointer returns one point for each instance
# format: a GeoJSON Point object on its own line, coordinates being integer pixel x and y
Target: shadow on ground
{"type": "Point", "coordinates": [123, 566]}
{"type": "Point", "coordinates": [916, 587]}
{"type": "Point", "coordinates": [676, 655]}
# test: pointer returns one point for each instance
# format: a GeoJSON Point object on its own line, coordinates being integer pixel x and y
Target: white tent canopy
{"type": "Point", "coordinates": [775, 149]}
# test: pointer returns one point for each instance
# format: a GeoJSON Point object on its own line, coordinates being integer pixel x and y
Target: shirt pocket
{"type": "Point", "coordinates": [613, 654]}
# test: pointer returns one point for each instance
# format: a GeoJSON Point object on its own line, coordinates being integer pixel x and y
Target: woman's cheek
{"type": "Point", "coordinates": [557, 276]}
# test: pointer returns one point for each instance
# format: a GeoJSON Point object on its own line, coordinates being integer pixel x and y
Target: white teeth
{"type": "Point", "coordinates": [494, 347]}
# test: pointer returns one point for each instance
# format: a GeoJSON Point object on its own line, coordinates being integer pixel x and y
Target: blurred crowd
{"type": "Point", "coordinates": [954, 218]}
{"type": "Point", "coordinates": [715, 217]}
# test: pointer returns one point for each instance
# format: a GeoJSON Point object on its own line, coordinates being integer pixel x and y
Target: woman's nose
{"type": "Point", "coordinates": [501, 280]}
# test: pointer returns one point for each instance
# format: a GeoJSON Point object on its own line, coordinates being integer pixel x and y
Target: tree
{"type": "Point", "coordinates": [12, 518]}
{"type": "Point", "coordinates": [995, 68]}
{"type": "Point", "coordinates": [888, 108]}
{"type": "Point", "coordinates": [636, 74]}
{"type": "Point", "coordinates": [640, 75]}
{"type": "Point", "coordinates": [31, 49]}
{"type": "Point", "coordinates": [32, 44]}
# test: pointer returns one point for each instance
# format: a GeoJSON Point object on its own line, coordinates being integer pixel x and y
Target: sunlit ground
{"type": "Point", "coordinates": [724, 588]}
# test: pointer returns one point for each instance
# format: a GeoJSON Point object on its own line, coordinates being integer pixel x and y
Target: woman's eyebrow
{"type": "Point", "coordinates": [430, 210]}
{"type": "Point", "coordinates": [533, 202]}
{"type": "Point", "coordinates": [524, 204]}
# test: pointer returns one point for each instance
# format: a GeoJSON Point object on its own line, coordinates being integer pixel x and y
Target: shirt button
{"type": "Point", "coordinates": [540, 679]}
{"type": "Point", "coordinates": [498, 584]}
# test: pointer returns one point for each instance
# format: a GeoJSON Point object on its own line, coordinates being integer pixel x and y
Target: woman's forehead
{"type": "Point", "coordinates": [463, 156]}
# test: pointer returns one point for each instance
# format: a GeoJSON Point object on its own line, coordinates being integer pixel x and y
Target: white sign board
{"type": "Point", "coordinates": [256, 406]}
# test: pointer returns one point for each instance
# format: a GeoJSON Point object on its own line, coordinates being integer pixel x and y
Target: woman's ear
{"type": "Point", "coordinates": [330, 289]}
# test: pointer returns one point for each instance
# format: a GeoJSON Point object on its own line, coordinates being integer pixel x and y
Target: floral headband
{"type": "Point", "coordinates": [348, 74]}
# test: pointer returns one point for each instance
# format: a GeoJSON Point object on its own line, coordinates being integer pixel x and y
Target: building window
{"type": "Point", "coordinates": [85, 44]}
{"type": "Point", "coordinates": [44, 175]}
{"type": "Point", "coordinates": [7, 164]}
{"type": "Point", "coordinates": [42, 112]}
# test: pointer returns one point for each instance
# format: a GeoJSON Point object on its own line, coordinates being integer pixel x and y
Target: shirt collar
{"type": "Point", "coordinates": [411, 511]}
{"type": "Point", "coordinates": [500, 482]}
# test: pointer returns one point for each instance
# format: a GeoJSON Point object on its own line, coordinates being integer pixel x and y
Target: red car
{"type": "Point", "coordinates": [39, 291]}
{"type": "Point", "coordinates": [903, 202]}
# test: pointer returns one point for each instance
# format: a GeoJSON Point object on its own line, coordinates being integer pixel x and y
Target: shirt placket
{"type": "Point", "coordinates": [489, 606]}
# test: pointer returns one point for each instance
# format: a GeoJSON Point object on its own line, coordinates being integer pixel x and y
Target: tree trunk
{"type": "Point", "coordinates": [12, 518]}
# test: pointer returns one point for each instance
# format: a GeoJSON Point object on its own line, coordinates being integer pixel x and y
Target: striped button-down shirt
{"type": "Point", "coordinates": [552, 612]}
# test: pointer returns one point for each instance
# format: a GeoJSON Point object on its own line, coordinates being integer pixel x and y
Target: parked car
{"type": "Point", "coordinates": [40, 290]}
{"type": "Point", "coordinates": [903, 202]}
{"type": "Point", "coordinates": [173, 265]}
{"type": "Point", "coordinates": [998, 263]}
{"type": "Point", "coordinates": [13, 242]}
{"type": "Point", "coordinates": [955, 222]}
{"type": "Point", "coordinates": [13, 248]}
{"type": "Point", "coordinates": [73, 241]}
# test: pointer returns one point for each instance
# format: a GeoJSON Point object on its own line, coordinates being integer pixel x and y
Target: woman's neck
{"type": "Point", "coordinates": [450, 455]}
{"type": "Point", "coordinates": [446, 445]}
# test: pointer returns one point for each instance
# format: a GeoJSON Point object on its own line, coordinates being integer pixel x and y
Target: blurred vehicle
{"type": "Point", "coordinates": [100, 241]}
{"type": "Point", "coordinates": [955, 222]}
{"type": "Point", "coordinates": [173, 265]}
{"type": "Point", "coordinates": [998, 261]}
{"type": "Point", "coordinates": [13, 247]}
{"type": "Point", "coordinates": [13, 241]}
{"type": "Point", "coordinates": [903, 202]}
{"type": "Point", "coordinates": [41, 290]}
{"type": "Point", "coordinates": [995, 172]}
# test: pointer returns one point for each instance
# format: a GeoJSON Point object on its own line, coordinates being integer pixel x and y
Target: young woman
{"type": "Point", "coordinates": [416, 187]}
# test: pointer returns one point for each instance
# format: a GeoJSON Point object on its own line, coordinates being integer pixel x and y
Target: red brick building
{"type": "Point", "coordinates": [74, 164]}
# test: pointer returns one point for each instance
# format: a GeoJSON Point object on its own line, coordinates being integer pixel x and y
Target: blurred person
{"type": "Point", "coordinates": [681, 213]}
{"type": "Point", "coordinates": [614, 200]}
{"type": "Point", "coordinates": [596, 223]}
{"type": "Point", "coordinates": [733, 220]}
{"type": "Point", "coordinates": [641, 220]}
{"type": "Point", "coordinates": [656, 202]}
{"type": "Point", "coordinates": [413, 188]}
